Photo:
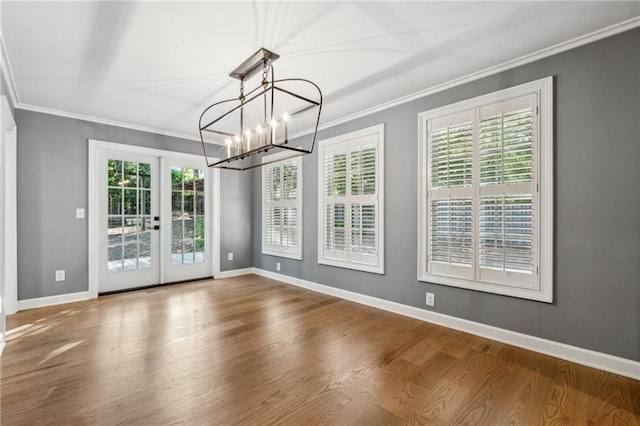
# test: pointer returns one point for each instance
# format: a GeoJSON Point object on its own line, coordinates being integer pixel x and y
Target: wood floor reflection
{"type": "Point", "coordinates": [250, 350]}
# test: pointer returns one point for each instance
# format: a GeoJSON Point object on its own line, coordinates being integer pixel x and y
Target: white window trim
{"type": "Point", "coordinates": [272, 250]}
{"type": "Point", "coordinates": [543, 289]}
{"type": "Point", "coordinates": [377, 131]}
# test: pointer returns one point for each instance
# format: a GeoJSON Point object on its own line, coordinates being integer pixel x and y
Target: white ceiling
{"type": "Point", "coordinates": [157, 65]}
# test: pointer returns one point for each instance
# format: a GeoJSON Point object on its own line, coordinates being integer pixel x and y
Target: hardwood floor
{"type": "Point", "coordinates": [250, 350]}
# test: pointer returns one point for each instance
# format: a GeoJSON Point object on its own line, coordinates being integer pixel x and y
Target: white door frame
{"type": "Point", "coordinates": [96, 146]}
{"type": "Point", "coordinates": [8, 215]}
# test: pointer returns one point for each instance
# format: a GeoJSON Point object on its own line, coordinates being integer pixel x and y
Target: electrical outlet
{"type": "Point", "coordinates": [60, 275]}
{"type": "Point", "coordinates": [431, 299]}
{"type": "Point", "coordinates": [230, 256]}
{"type": "Point", "coordinates": [79, 213]}
{"type": "Point", "coordinates": [278, 266]}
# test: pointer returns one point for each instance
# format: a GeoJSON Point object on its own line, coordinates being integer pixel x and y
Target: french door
{"type": "Point", "coordinates": [153, 219]}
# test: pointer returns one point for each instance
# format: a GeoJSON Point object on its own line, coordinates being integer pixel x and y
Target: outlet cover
{"type": "Point", "coordinates": [60, 275]}
{"type": "Point", "coordinates": [230, 256]}
{"type": "Point", "coordinates": [278, 266]}
{"type": "Point", "coordinates": [431, 299]}
{"type": "Point", "coordinates": [79, 213]}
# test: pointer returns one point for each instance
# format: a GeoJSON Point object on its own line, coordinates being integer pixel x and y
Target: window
{"type": "Point", "coordinates": [282, 207]}
{"type": "Point", "coordinates": [351, 201]}
{"type": "Point", "coordinates": [485, 219]}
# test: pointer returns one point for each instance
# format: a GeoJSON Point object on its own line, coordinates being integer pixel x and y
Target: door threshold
{"type": "Point", "coordinates": [145, 287]}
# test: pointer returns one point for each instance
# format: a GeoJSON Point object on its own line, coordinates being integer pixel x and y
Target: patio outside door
{"type": "Point", "coordinates": [153, 221]}
{"type": "Point", "coordinates": [129, 221]}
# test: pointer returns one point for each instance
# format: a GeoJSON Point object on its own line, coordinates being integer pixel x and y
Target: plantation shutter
{"type": "Point", "coordinates": [350, 204]}
{"type": "Point", "coordinates": [507, 132]}
{"type": "Point", "coordinates": [481, 193]}
{"type": "Point", "coordinates": [486, 193]}
{"type": "Point", "coordinates": [282, 204]}
{"type": "Point", "coordinates": [450, 195]}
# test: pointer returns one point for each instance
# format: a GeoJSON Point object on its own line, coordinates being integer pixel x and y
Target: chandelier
{"type": "Point", "coordinates": [276, 115]}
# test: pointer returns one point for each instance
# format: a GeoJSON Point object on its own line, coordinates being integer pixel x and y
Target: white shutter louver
{"type": "Point", "coordinates": [506, 233]}
{"type": "Point", "coordinates": [506, 148]}
{"type": "Point", "coordinates": [452, 156]}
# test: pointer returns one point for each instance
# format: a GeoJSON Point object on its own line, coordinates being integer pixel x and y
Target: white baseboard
{"type": "Point", "coordinates": [602, 361]}
{"type": "Point", "coordinates": [235, 273]}
{"type": "Point", "coordinates": [41, 302]}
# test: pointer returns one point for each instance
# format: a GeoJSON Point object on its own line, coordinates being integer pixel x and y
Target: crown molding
{"type": "Point", "coordinates": [523, 60]}
{"type": "Point", "coordinates": [98, 120]}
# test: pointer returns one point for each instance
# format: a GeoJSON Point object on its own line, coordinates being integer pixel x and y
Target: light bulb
{"type": "Point", "coordinates": [274, 123]}
{"type": "Point", "coordinates": [236, 138]}
{"type": "Point", "coordinates": [228, 141]}
{"type": "Point", "coordinates": [285, 117]}
{"type": "Point", "coordinates": [248, 133]}
{"type": "Point", "coordinates": [259, 129]}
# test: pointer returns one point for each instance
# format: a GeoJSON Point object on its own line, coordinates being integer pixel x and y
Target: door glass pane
{"type": "Point", "coordinates": [188, 176]}
{"type": "Point", "coordinates": [114, 175]}
{"type": "Point", "coordinates": [131, 256]}
{"type": "Point", "coordinates": [115, 230]}
{"type": "Point", "coordinates": [200, 203]}
{"type": "Point", "coordinates": [144, 175]}
{"type": "Point", "coordinates": [115, 259]}
{"type": "Point", "coordinates": [129, 210]}
{"type": "Point", "coordinates": [199, 249]}
{"type": "Point", "coordinates": [130, 201]}
{"type": "Point", "coordinates": [187, 229]}
{"type": "Point", "coordinates": [176, 229]}
{"type": "Point", "coordinates": [176, 178]}
{"type": "Point", "coordinates": [144, 250]}
{"type": "Point", "coordinates": [188, 251]}
{"type": "Point", "coordinates": [114, 205]}
{"type": "Point", "coordinates": [176, 252]}
{"type": "Point", "coordinates": [130, 174]}
{"type": "Point", "coordinates": [176, 202]}
{"type": "Point", "coordinates": [198, 231]}
{"type": "Point", "coordinates": [199, 180]}
{"type": "Point", "coordinates": [145, 202]}
{"type": "Point", "coordinates": [188, 202]}
{"type": "Point", "coordinates": [130, 229]}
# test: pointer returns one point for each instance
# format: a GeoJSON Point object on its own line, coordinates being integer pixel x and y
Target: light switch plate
{"type": "Point", "coordinates": [79, 213]}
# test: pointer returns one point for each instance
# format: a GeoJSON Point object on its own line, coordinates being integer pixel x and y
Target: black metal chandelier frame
{"type": "Point", "coordinates": [239, 143]}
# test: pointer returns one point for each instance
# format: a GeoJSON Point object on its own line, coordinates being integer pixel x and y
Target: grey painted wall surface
{"type": "Point", "coordinates": [52, 183]}
{"type": "Point", "coordinates": [597, 206]}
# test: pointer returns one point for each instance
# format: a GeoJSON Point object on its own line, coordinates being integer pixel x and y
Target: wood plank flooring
{"type": "Point", "coordinates": [250, 350]}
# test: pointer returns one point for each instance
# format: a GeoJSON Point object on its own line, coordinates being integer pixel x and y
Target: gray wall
{"type": "Point", "coordinates": [52, 183]}
{"type": "Point", "coordinates": [597, 206]}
